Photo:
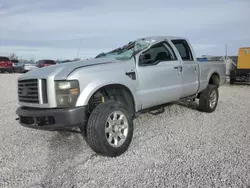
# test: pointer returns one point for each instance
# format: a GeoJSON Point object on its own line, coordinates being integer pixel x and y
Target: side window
{"type": "Point", "coordinates": [184, 50]}
{"type": "Point", "coordinates": [159, 52]}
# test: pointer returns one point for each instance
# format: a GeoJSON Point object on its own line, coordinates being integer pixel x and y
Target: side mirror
{"type": "Point", "coordinates": [144, 58]}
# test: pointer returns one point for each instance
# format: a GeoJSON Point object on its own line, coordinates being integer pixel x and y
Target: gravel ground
{"type": "Point", "coordinates": [179, 148]}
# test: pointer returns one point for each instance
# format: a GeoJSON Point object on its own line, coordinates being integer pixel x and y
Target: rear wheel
{"type": "Point", "coordinates": [110, 129]}
{"type": "Point", "coordinates": [232, 81]}
{"type": "Point", "coordinates": [209, 99]}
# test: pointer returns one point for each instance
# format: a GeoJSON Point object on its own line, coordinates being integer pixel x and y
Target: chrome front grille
{"type": "Point", "coordinates": [28, 91]}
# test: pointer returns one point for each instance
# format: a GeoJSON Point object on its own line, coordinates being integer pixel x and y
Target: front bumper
{"type": "Point", "coordinates": [52, 119]}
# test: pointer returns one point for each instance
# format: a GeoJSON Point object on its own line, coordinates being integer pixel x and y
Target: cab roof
{"type": "Point", "coordinates": [160, 38]}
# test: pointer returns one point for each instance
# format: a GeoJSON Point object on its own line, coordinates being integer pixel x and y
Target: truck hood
{"type": "Point", "coordinates": [62, 71]}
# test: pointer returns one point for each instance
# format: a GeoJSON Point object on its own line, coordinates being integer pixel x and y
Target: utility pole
{"type": "Point", "coordinates": [226, 52]}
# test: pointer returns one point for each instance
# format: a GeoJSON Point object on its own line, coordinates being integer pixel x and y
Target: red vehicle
{"type": "Point", "coordinates": [5, 64]}
{"type": "Point", "coordinates": [44, 63]}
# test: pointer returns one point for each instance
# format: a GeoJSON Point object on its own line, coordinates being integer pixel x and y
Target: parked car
{"type": "Point", "coordinates": [15, 64]}
{"type": "Point", "coordinates": [28, 66]}
{"type": "Point", "coordinates": [5, 64]}
{"type": "Point", "coordinates": [67, 61]}
{"type": "Point", "coordinates": [23, 66]}
{"type": "Point", "coordinates": [103, 95]}
{"type": "Point", "coordinates": [45, 63]}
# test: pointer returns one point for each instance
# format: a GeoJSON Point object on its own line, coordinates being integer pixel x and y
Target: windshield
{"type": "Point", "coordinates": [143, 43]}
{"type": "Point", "coordinates": [126, 52]}
{"type": "Point", "coordinates": [123, 53]}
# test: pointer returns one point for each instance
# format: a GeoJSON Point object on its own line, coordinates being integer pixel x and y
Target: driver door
{"type": "Point", "coordinates": [159, 75]}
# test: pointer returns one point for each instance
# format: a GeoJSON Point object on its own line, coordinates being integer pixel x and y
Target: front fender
{"type": "Point", "coordinates": [94, 85]}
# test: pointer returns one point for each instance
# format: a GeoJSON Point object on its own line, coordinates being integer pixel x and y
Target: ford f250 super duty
{"type": "Point", "coordinates": [102, 95]}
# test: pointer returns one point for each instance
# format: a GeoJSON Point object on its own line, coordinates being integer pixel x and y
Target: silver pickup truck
{"type": "Point", "coordinates": [103, 95]}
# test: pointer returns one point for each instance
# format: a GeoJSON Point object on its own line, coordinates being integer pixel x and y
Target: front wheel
{"type": "Point", "coordinates": [110, 129]}
{"type": "Point", "coordinates": [209, 99]}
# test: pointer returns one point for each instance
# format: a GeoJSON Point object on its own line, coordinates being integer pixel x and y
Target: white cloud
{"type": "Point", "coordinates": [51, 53]}
{"type": "Point", "coordinates": [106, 24]}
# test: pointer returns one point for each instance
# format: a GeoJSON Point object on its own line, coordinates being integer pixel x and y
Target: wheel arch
{"type": "Point", "coordinates": [109, 88]}
{"type": "Point", "coordinates": [214, 79]}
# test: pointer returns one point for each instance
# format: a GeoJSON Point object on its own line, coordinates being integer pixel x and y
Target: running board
{"type": "Point", "coordinates": [189, 99]}
{"type": "Point", "coordinates": [153, 110]}
{"type": "Point", "coordinates": [157, 111]}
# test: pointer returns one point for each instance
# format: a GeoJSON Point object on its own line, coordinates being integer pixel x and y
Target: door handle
{"type": "Point", "coordinates": [178, 67]}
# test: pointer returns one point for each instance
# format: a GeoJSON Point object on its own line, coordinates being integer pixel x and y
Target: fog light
{"type": "Point", "coordinates": [46, 120]}
{"type": "Point", "coordinates": [70, 99]}
{"type": "Point", "coordinates": [61, 100]}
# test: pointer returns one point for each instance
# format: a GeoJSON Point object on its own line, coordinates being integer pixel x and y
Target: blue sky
{"type": "Point", "coordinates": [58, 28]}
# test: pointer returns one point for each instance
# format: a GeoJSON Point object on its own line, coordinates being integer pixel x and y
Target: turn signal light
{"type": "Point", "coordinates": [74, 91]}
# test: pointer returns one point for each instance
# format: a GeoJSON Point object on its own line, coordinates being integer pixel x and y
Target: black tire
{"type": "Point", "coordinates": [231, 81]}
{"type": "Point", "coordinates": [232, 77]}
{"type": "Point", "coordinates": [204, 100]}
{"type": "Point", "coordinates": [96, 136]}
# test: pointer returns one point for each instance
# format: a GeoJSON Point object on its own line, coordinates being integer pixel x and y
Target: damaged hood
{"type": "Point", "coordinates": [62, 71]}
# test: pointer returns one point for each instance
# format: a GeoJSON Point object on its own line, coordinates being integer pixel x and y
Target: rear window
{"type": "Point", "coordinates": [51, 62]}
{"type": "Point", "coordinates": [4, 58]}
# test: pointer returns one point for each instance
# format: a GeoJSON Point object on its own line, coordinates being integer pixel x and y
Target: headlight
{"type": "Point", "coordinates": [67, 93]}
{"type": "Point", "coordinates": [64, 85]}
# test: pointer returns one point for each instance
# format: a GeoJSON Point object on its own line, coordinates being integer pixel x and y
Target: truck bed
{"type": "Point", "coordinates": [206, 67]}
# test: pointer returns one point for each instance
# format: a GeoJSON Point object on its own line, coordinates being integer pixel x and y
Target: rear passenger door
{"type": "Point", "coordinates": [190, 79]}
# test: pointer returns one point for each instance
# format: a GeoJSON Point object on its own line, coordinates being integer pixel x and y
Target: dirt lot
{"type": "Point", "coordinates": [179, 148]}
